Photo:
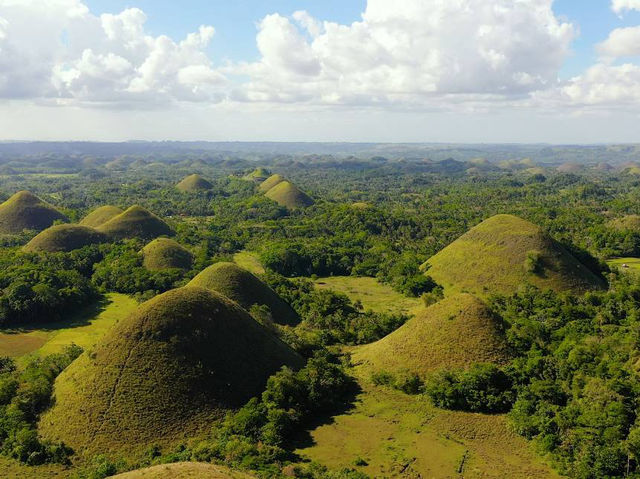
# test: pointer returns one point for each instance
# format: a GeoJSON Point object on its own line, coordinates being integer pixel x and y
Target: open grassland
{"type": "Point", "coordinates": [84, 329]}
{"type": "Point", "coordinates": [632, 263]}
{"type": "Point", "coordinates": [249, 261]}
{"type": "Point", "coordinates": [184, 470]}
{"type": "Point", "coordinates": [373, 295]}
{"type": "Point", "coordinates": [391, 434]}
{"type": "Point", "coordinates": [12, 469]}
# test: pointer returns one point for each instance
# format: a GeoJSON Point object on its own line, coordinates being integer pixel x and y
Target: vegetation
{"type": "Point", "coordinates": [64, 238]}
{"type": "Point", "coordinates": [246, 289]}
{"type": "Point", "coordinates": [194, 183]}
{"type": "Point", "coordinates": [270, 182]}
{"type": "Point", "coordinates": [100, 216]}
{"type": "Point", "coordinates": [167, 371]}
{"type": "Point", "coordinates": [135, 222]}
{"type": "Point", "coordinates": [25, 211]}
{"type": "Point", "coordinates": [165, 253]}
{"type": "Point", "coordinates": [289, 195]}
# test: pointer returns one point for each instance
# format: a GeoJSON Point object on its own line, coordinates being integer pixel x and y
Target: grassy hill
{"type": "Point", "coordinates": [454, 333]}
{"type": "Point", "coordinates": [184, 470]}
{"type": "Point", "coordinates": [246, 289]}
{"type": "Point", "coordinates": [258, 175]}
{"type": "Point", "coordinates": [135, 222]}
{"type": "Point", "coordinates": [504, 252]}
{"type": "Point", "coordinates": [100, 216]}
{"type": "Point", "coordinates": [25, 211]}
{"type": "Point", "coordinates": [65, 238]}
{"type": "Point", "coordinates": [270, 182]}
{"type": "Point", "coordinates": [165, 373]}
{"type": "Point", "coordinates": [165, 253]}
{"type": "Point", "coordinates": [289, 195]}
{"type": "Point", "coordinates": [194, 183]}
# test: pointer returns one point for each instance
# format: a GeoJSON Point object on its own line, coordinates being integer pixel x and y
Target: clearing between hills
{"type": "Point", "coordinates": [374, 295]}
{"type": "Point", "coordinates": [632, 263]}
{"type": "Point", "coordinates": [84, 329]}
{"type": "Point", "coordinates": [249, 261]}
{"type": "Point", "coordinates": [391, 434]}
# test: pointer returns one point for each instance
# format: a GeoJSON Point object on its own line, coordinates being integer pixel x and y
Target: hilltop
{"type": "Point", "coordinates": [454, 333]}
{"type": "Point", "coordinates": [65, 238]}
{"type": "Point", "coordinates": [270, 182]}
{"type": "Point", "coordinates": [246, 289]}
{"type": "Point", "coordinates": [165, 253]}
{"type": "Point", "coordinates": [166, 372]}
{"type": "Point", "coordinates": [25, 211]}
{"type": "Point", "coordinates": [100, 216]}
{"type": "Point", "coordinates": [502, 253]}
{"type": "Point", "coordinates": [135, 222]}
{"type": "Point", "coordinates": [194, 183]}
{"type": "Point", "coordinates": [289, 195]}
{"type": "Point", "coordinates": [258, 175]}
{"type": "Point", "coordinates": [184, 470]}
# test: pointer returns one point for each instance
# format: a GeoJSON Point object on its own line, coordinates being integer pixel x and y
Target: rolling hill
{"type": "Point", "coordinates": [194, 183]}
{"type": "Point", "coordinates": [270, 182]}
{"type": "Point", "coordinates": [65, 238]}
{"type": "Point", "coordinates": [245, 289]}
{"type": "Point", "coordinates": [455, 333]}
{"type": "Point", "coordinates": [289, 195]}
{"type": "Point", "coordinates": [135, 222]}
{"type": "Point", "coordinates": [100, 216]}
{"type": "Point", "coordinates": [166, 372]}
{"type": "Point", "coordinates": [165, 253]}
{"type": "Point", "coordinates": [25, 211]}
{"type": "Point", "coordinates": [258, 175]}
{"type": "Point", "coordinates": [492, 257]}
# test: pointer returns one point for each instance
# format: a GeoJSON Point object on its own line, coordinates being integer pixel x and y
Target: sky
{"type": "Point", "coordinates": [468, 71]}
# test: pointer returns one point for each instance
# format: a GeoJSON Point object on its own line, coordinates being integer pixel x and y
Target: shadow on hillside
{"type": "Point", "coordinates": [81, 318]}
{"type": "Point", "coordinates": [304, 439]}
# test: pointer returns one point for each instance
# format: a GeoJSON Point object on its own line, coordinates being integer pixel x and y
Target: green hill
{"type": "Point", "coordinates": [270, 182]}
{"type": "Point", "coordinates": [166, 372]}
{"type": "Point", "coordinates": [258, 175]}
{"type": "Point", "coordinates": [184, 470]}
{"type": "Point", "coordinates": [25, 211]}
{"type": "Point", "coordinates": [65, 238]}
{"type": "Point", "coordinates": [100, 216]}
{"type": "Point", "coordinates": [245, 289]}
{"type": "Point", "coordinates": [135, 222]}
{"type": "Point", "coordinates": [502, 253]}
{"type": "Point", "coordinates": [454, 333]}
{"type": "Point", "coordinates": [626, 223]}
{"type": "Point", "coordinates": [194, 183]}
{"type": "Point", "coordinates": [289, 195]}
{"type": "Point", "coordinates": [165, 253]}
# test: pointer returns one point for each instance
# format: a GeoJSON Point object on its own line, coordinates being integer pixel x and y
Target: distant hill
{"type": "Point", "coordinates": [289, 195]}
{"type": "Point", "coordinates": [270, 182]}
{"type": "Point", "coordinates": [246, 289]}
{"type": "Point", "coordinates": [165, 253]}
{"type": "Point", "coordinates": [493, 257]}
{"type": "Point", "coordinates": [100, 216]}
{"type": "Point", "coordinates": [25, 211]}
{"type": "Point", "coordinates": [184, 470]}
{"type": "Point", "coordinates": [135, 222]}
{"type": "Point", "coordinates": [66, 238]}
{"type": "Point", "coordinates": [258, 175]}
{"type": "Point", "coordinates": [166, 372]}
{"type": "Point", "coordinates": [194, 183]}
{"type": "Point", "coordinates": [454, 333]}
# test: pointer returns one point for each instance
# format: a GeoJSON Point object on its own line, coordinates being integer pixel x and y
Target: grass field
{"type": "Point", "coordinates": [373, 295]}
{"type": "Point", "coordinates": [391, 434]}
{"type": "Point", "coordinates": [249, 261]}
{"type": "Point", "coordinates": [83, 329]}
{"type": "Point", "coordinates": [632, 263]}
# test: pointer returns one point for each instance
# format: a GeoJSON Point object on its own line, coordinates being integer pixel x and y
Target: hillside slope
{"type": "Point", "coordinates": [25, 211]}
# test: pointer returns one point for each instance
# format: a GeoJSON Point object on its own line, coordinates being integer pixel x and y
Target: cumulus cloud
{"type": "Point", "coordinates": [622, 42]}
{"type": "Point", "coordinates": [620, 6]}
{"type": "Point", "coordinates": [59, 50]}
{"type": "Point", "coordinates": [411, 51]}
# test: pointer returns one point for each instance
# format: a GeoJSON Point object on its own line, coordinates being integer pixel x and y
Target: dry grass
{"type": "Point", "coordinates": [100, 216]}
{"type": "Point", "coordinates": [25, 211]}
{"type": "Point", "coordinates": [490, 258]}
{"type": "Point", "coordinates": [65, 238]}
{"type": "Point", "coordinates": [184, 470]}
{"type": "Point", "coordinates": [165, 253]}
{"type": "Point", "coordinates": [289, 195]}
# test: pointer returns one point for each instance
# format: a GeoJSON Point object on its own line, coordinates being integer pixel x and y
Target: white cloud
{"type": "Point", "coordinates": [58, 49]}
{"type": "Point", "coordinates": [605, 85]}
{"type": "Point", "coordinates": [411, 51]}
{"type": "Point", "coordinates": [622, 42]}
{"type": "Point", "coordinates": [620, 6]}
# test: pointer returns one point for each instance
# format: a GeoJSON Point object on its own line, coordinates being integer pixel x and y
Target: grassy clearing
{"type": "Point", "coordinates": [184, 470]}
{"type": "Point", "coordinates": [85, 329]}
{"type": "Point", "coordinates": [632, 263]}
{"type": "Point", "coordinates": [391, 434]}
{"type": "Point", "coordinates": [249, 261]}
{"type": "Point", "coordinates": [373, 295]}
{"type": "Point", "coordinates": [10, 468]}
